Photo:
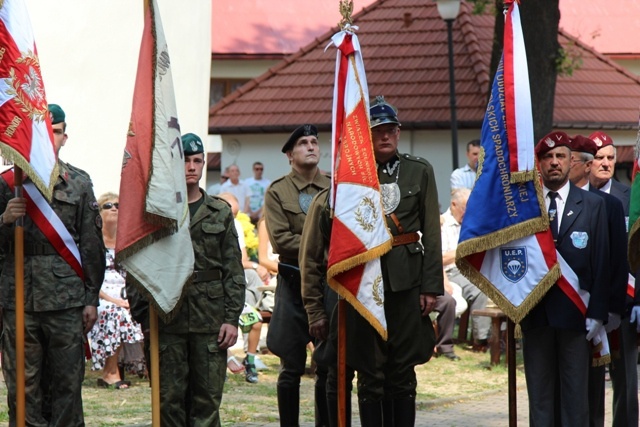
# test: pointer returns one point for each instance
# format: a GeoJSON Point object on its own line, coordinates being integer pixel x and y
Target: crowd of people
{"type": "Point", "coordinates": [261, 250]}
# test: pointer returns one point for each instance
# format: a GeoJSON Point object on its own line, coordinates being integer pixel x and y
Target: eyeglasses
{"type": "Point", "coordinates": [382, 131]}
{"type": "Point", "coordinates": [109, 205]}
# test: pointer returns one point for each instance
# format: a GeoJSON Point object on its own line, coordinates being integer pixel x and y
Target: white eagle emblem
{"type": "Point", "coordinates": [550, 142]}
{"type": "Point", "coordinates": [598, 141]}
{"type": "Point", "coordinates": [33, 85]}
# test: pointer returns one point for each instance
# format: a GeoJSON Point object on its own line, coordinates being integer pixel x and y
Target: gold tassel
{"type": "Point", "coordinates": [517, 331]}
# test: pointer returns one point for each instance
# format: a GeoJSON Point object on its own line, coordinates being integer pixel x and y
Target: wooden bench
{"type": "Point", "coordinates": [463, 328]}
{"type": "Point", "coordinates": [497, 317]}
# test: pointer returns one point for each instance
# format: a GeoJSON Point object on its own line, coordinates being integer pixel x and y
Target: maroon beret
{"type": "Point", "coordinates": [584, 145]}
{"type": "Point", "coordinates": [601, 139]}
{"type": "Point", "coordinates": [551, 141]}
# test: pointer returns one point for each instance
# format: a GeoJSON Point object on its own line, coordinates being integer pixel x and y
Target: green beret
{"type": "Point", "coordinates": [192, 144]}
{"type": "Point", "coordinates": [304, 130]}
{"type": "Point", "coordinates": [57, 114]}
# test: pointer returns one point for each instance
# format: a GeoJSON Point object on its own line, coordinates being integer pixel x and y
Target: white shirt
{"type": "Point", "coordinates": [450, 234]}
{"type": "Point", "coordinates": [240, 190]}
{"type": "Point", "coordinates": [463, 177]}
{"type": "Point", "coordinates": [258, 187]}
{"type": "Point", "coordinates": [561, 200]}
{"type": "Point", "coordinates": [606, 188]}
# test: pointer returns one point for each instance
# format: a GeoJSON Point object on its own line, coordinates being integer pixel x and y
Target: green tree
{"type": "Point", "coordinates": [540, 19]}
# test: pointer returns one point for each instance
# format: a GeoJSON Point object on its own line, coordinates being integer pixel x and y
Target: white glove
{"type": "Point", "coordinates": [613, 323]}
{"type": "Point", "coordinates": [635, 316]}
{"type": "Point", "coordinates": [593, 327]}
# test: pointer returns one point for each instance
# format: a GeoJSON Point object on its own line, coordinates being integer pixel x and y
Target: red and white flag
{"type": "Point", "coordinates": [26, 136]}
{"type": "Point", "coordinates": [359, 234]}
{"type": "Point", "coordinates": [153, 241]}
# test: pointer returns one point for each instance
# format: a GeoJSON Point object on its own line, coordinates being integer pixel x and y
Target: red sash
{"type": "Point", "coordinates": [44, 217]}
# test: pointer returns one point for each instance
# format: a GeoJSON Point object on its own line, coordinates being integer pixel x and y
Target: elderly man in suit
{"type": "Point", "coordinates": [583, 150]}
{"type": "Point", "coordinates": [556, 332]}
{"type": "Point", "coordinates": [623, 370]}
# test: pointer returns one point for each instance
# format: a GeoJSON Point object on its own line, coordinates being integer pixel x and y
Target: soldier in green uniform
{"type": "Point", "coordinates": [193, 345]}
{"type": "Point", "coordinates": [60, 301]}
{"type": "Point", "coordinates": [412, 274]}
{"type": "Point", "coordinates": [286, 204]}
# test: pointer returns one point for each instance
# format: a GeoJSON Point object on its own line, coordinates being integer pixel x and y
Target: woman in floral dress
{"type": "Point", "coordinates": [115, 332]}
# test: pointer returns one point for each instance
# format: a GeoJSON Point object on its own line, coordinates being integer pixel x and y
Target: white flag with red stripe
{"type": "Point", "coordinates": [359, 235]}
{"type": "Point", "coordinates": [26, 136]}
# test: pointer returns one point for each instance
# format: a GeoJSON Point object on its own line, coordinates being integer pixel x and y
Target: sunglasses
{"type": "Point", "coordinates": [109, 205]}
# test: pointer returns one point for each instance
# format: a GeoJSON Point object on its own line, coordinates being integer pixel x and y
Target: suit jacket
{"type": "Point", "coordinates": [623, 193]}
{"type": "Point", "coordinates": [583, 242]}
{"type": "Point", "coordinates": [618, 264]}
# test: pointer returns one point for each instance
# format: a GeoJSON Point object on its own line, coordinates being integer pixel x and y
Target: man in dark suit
{"type": "Point", "coordinates": [623, 371]}
{"type": "Point", "coordinates": [556, 332]}
{"type": "Point", "coordinates": [583, 151]}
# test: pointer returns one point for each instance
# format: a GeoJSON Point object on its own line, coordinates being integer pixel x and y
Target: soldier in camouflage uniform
{"type": "Point", "coordinates": [193, 345]}
{"type": "Point", "coordinates": [60, 306]}
{"type": "Point", "coordinates": [286, 203]}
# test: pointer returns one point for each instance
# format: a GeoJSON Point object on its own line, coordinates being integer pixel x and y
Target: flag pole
{"type": "Point", "coordinates": [511, 368]}
{"type": "Point", "coordinates": [155, 367]}
{"type": "Point", "coordinates": [19, 277]}
{"type": "Point", "coordinates": [342, 363]}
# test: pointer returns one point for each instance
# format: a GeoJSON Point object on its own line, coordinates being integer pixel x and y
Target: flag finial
{"type": "Point", "coordinates": [346, 9]}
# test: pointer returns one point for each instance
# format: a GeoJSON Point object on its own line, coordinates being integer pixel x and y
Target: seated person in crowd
{"type": "Point", "coordinates": [256, 277]}
{"type": "Point", "coordinates": [450, 234]}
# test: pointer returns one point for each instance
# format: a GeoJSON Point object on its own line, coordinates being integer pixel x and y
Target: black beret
{"type": "Point", "coordinates": [57, 114]}
{"type": "Point", "coordinates": [304, 130]}
{"type": "Point", "coordinates": [551, 141]}
{"type": "Point", "coordinates": [381, 112]}
{"type": "Point", "coordinates": [192, 144]}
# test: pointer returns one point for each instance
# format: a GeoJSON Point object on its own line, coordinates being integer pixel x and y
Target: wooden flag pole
{"type": "Point", "coordinates": [342, 363]}
{"type": "Point", "coordinates": [155, 367]}
{"type": "Point", "coordinates": [19, 277]}
{"type": "Point", "coordinates": [511, 367]}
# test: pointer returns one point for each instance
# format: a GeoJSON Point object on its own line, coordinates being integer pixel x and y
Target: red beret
{"type": "Point", "coordinates": [551, 141]}
{"type": "Point", "coordinates": [601, 139]}
{"type": "Point", "coordinates": [584, 144]}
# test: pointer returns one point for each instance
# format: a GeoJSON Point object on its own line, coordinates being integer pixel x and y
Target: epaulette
{"type": "Point", "coordinates": [219, 199]}
{"type": "Point", "coordinates": [415, 159]}
{"type": "Point", "coordinates": [78, 171]}
{"type": "Point", "coordinates": [279, 179]}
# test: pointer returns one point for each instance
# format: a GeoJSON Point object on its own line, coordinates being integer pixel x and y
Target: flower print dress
{"type": "Point", "coordinates": [115, 326]}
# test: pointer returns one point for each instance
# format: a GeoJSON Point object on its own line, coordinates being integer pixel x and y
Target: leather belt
{"type": "Point", "coordinates": [33, 249]}
{"type": "Point", "coordinates": [205, 275]}
{"type": "Point", "coordinates": [406, 238]}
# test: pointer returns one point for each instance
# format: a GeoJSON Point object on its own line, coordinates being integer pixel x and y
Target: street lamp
{"type": "Point", "coordinates": [448, 10]}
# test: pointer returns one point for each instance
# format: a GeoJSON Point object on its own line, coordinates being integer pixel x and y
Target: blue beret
{"type": "Point", "coordinates": [192, 144]}
{"type": "Point", "coordinates": [57, 114]}
{"type": "Point", "coordinates": [381, 112]}
{"type": "Point", "coordinates": [304, 130]}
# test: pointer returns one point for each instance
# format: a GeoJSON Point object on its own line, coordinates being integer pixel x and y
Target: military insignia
{"type": "Point", "coordinates": [598, 141]}
{"type": "Point", "coordinates": [552, 214]}
{"type": "Point", "coordinates": [579, 239]}
{"type": "Point", "coordinates": [390, 197]}
{"type": "Point", "coordinates": [513, 262]}
{"type": "Point", "coordinates": [304, 200]}
{"type": "Point", "coordinates": [193, 146]}
{"type": "Point", "coordinates": [377, 291]}
{"type": "Point", "coordinates": [550, 142]}
{"type": "Point", "coordinates": [125, 158]}
{"type": "Point", "coordinates": [307, 130]}
{"type": "Point", "coordinates": [366, 214]}
{"type": "Point", "coordinates": [26, 88]}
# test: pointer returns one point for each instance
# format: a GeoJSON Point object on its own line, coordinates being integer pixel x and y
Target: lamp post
{"type": "Point", "coordinates": [448, 10]}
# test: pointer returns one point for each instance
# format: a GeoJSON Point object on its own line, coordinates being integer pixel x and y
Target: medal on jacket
{"type": "Point", "coordinates": [391, 192]}
{"type": "Point", "coordinates": [304, 200]}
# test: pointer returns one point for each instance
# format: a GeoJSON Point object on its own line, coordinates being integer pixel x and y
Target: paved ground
{"type": "Point", "coordinates": [489, 410]}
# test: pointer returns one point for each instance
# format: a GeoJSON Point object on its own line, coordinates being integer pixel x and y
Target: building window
{"type": "Point", "coordinates": [223, 87]}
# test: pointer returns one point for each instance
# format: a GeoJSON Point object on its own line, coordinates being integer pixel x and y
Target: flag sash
{"type": "Point", "coordinates": [49, 223]}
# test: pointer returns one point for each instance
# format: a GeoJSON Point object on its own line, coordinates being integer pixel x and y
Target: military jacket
{"type": "Point", "coordinates": [284, 214]}
{"type": "Point", "coordinates": [49, 281]}
{"type": "Point", "coordinates": [207, 305]}
{"type": "Point", "coordinates": [420, 263]}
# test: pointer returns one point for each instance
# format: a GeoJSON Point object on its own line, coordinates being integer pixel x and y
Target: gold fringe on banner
{"type": "Point", "coordinates": [10, 153]}
{"type": "Point", "coordinates": [522, 176]}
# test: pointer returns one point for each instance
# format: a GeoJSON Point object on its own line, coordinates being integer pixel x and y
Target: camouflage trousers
{"type": "Point", "coordinates": [54, 337]}
{"type": "Point", "coordinates": [192, 373]}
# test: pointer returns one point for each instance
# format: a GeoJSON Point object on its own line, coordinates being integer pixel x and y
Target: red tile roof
{"type": "Point", "coordinates": [409, 65]}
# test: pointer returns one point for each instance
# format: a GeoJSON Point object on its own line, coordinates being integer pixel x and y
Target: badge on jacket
{"type": "Point", "coordinates": [579, 239]}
